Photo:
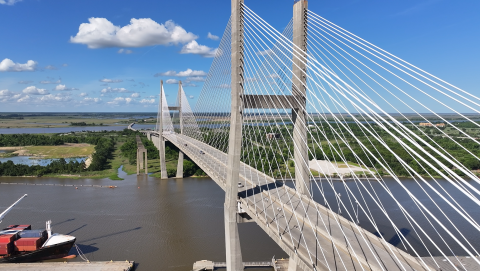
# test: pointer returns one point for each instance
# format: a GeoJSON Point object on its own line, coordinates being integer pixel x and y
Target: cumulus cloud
{"type": "Point", "coordinates": [191, 97]}
{"type": "Point", "coordinates": [172, 81]}
{"type": "Point", "coordinates": [186, 73]}
{"type": "Point", "coordinates": [194, 48]}
{"type": "Point", "coordinates": [212, 37]}
{"type": "Point", "coordinates": [54, 98]}
{"type": "Point", "coordinates": [196, 79]}
{"type": "Point", "coordinates": [25, 82]}
{"type": "Point", "coordinates": [6, 92]}
{"type": "Point", "coordinates": [147, 101]}
{"type": "Point", "coordinates": [101, 33]}
{"type": "Point", "coordinates": [24, 99]}
{"type": "Point", "coordinates": [65, 65]}
{"type": "Point", "coordinates": [9, 2]}
{"type": "Point", "coordinates": [120, 100]}
{"type": "Point", "coordinates": [83, 94]}
{"type": "Point", "coordinates": [105, 80]}
{"type": "Point", "coordinates": [125, 51]}
{"type": "Point", "coordinates": [135, 95]}
{"type": "Point", "coordinates": [91, 101]}
{"type": "Point", "coordinates": [64, 88]}
{"type": "Point", "coordinates": [32, 90]}
{"type": "Point", "coordinates": [114, 90]}
{"type": "Point", "coordinates": [7, 65]}
{"type": "Point", "coordinates": [51, 67]}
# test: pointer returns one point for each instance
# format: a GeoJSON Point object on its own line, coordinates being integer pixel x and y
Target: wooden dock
{"type": "Point", "coordinates": [70, 266]}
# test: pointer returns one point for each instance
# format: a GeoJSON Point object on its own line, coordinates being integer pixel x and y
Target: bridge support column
{"type": "Point", "coordinates": [161, 140]}
{"type": "Point", "coordinates": [180, 153]}
{"type": "Point", "coordinates": [232, 238]}
{"type": "Point", "coordinates": [302, 172]}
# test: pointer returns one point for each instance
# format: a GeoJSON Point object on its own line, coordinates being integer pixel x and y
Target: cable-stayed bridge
{"type": "Point", "coordinates": [344, 120]}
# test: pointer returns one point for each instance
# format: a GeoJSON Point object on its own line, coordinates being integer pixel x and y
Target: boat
{"type": "Point", "coordinates": [20, 244]}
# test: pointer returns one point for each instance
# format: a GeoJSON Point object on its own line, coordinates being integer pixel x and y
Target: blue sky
{"type": "Point", "coordinates": [49, 63]}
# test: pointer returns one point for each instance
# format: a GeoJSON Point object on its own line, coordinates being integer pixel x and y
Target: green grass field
{"type": "Point", "coordinates": [62, 151]}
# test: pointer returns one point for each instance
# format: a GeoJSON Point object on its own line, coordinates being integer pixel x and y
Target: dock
{"type": "Point", "coordinates": [70, 266]}
{"type": "Point", "coordinates": [209, 265]}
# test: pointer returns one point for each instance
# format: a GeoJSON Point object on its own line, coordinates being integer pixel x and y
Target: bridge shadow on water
{"type": "Point", "coordinates": [259, 189]}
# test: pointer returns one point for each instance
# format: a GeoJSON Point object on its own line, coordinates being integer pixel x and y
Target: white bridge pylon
{"type": "Point", "coordinates": [310, 130]}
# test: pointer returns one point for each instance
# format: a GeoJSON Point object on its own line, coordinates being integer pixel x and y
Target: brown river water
{"type": "Point", "coordinates": [160, 224]}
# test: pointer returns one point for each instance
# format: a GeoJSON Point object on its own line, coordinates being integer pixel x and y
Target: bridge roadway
{"type": "Point", "coordinates": [293, 221]}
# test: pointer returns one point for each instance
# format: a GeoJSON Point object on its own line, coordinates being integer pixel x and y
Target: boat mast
{"type": "Point", "coordinates": [2, 215]}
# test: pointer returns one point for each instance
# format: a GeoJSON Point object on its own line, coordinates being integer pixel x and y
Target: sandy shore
{"type": "Point", "coordinates": [329, 168]}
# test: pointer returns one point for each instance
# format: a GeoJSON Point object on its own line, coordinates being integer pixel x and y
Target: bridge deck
{"type": "Point", "coordinates": [298, 224]}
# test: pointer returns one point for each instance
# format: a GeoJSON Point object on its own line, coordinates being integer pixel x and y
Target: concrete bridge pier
{"type": "Point", "coordinates": [142, 157]}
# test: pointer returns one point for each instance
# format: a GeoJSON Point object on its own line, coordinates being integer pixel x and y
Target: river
{"type": "Point", "coordinates": [160, 224]}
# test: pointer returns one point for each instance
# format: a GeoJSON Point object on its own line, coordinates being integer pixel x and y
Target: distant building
{"type": "Point", "coordinates": [428, 124]}
{"type": "Point", "coordinates": [271, 136]}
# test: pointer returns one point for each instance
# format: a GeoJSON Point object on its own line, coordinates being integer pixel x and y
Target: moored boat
{"type": "Point", "coordinates": [19, 243]}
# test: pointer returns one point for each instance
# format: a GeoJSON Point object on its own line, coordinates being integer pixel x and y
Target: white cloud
{"type": "Point", "coordinates": [91, 100]}
{"type": "Point", "coordinates": [114, 90]}
{"type": "Point", "coordinates": [105, 80]}
{"type": "Point", "coordinates": [65, 65]}
{"type": "Point", "coordinates": [172, 81]}
{"type": "Point", "coordinates": [25, 82]}
{"type": "Point", "coordinates": [194, 48]}
{"type": "Point", "coordinates": [186, 73]}
{"type": "Point", "coordinates": [196, 79]}
{"type": "Point", "coordinates": [135, 95]}
{"type": "Point", "coordinates": [147, 101]}
{"type": "Point", "coordinates": [6, 92]}
{"type": "Point", "coordinates": [7, 65]}
{"type": "Point", "coordinates": [125, 51]}
{"type": "Point", "coordinates": [101, 33]}
{"type": "Point", "coordinates": [212, 37]}
{"type": "Point", "coordinates": [9, 2]}
{"type": "Point", "coordinates": [190, 72]}
{"type": "Point", "coordinates": [54, 98]}
{"type": "Point", "coordinates": [51, 67]}
{"type": "Point", "coordinates": [35, 91]}
{"type": "Point", "coordinates": [191, 97]}
{"type": "Point", "coordinates": [24, 99]}
{"type": "Point", "coordinates": [189, 85]}
{"type": "Point", "coordinates": [64, 88]}
{"type": "Point", "coordinates": [120, 100]}
{"type": "Point", "coordinates": [83, 94]}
